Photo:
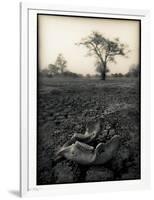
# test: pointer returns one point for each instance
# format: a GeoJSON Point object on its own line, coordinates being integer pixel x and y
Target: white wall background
{"type": "Point", "coordinates": [9, 97]}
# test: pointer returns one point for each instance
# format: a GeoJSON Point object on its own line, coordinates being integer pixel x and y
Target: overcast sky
{"type": "Point", "coordinates": [58, 34]}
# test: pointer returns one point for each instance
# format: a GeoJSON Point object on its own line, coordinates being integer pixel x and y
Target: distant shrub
{"type": "Point", "coordinates": [71, 74]}
{"type": "Point", "coordinates": [133, 71]}
{"type": "Point", "coordinates": [117, 75]}
{"type": "Point", "coordinates": [53, 70]}
{"type": "Point", "coordinates": [88, 76]}
{"type": "Point", "coordinates": [44, 73]}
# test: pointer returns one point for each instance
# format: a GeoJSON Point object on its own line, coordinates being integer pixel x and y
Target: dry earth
{"type": "Point", "coordinates": [65, 106]}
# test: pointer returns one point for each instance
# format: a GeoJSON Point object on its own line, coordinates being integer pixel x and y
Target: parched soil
{"type": "Point", "coordinates": [66, 105]}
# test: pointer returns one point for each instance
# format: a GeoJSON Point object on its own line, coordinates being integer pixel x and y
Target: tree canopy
{"type": "Point", "coordinates": [105, 50]}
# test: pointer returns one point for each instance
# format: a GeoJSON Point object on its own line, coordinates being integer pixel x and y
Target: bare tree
{"type": "Point", "coordinates": [61, 63]}
{"type": "Point", "coordinates": [104, 50]}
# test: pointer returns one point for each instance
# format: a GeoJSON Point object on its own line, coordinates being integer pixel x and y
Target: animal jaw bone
{"type": "Point", "coordinates": [92, 131]}
{"type": "Point", "coordinates": [85, 154]}
{"type": "Point", "coordinates": [105, 152]}
{"type": "Point", "coordinates": [79, 152]}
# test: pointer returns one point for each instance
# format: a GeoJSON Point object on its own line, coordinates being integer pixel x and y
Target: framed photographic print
{"type": "Point", "coordinates": [84, 99]}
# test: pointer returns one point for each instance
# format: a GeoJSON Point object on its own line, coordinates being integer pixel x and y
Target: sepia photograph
{"type": "Point", "coordinates": [88, 99]}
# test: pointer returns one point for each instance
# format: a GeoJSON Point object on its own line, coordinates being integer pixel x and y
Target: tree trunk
{"type": "Point", "coordinates": [103, 76]}
{"type": "Point", "coordinates": [103, 73]}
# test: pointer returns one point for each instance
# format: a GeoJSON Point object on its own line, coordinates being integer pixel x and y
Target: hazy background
{"type": "Point", "coordinates": [58, 34]}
